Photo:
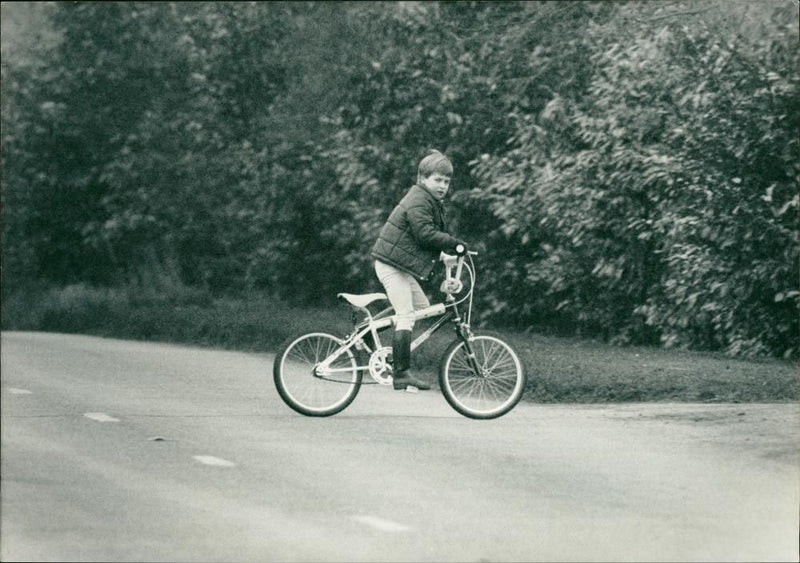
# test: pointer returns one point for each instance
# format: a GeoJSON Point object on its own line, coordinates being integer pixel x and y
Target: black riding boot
{"type": "Point", "coordinates": [401, 358]}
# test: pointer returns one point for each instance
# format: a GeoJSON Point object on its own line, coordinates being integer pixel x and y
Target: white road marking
{"type": "Point", "coordinates": [18, 391]}
{"type": "Point", "coordinates": [211, 460]}
{"type": "Point", "coordinates": [100, 417]}
{"type": "Point", "coordinates": [381, 524]}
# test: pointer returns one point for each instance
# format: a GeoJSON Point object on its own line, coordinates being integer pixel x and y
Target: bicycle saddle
{"type": "Point", "coordinates": [361, 300]}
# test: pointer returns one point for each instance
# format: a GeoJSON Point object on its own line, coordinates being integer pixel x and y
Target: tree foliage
{"type": "Point", "coordinates": [629, 169]}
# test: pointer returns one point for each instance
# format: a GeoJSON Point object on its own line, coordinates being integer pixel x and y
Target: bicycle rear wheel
{"type": "Point", "coordinates": [494, 389]}
{"type": "Point", "coordinates": [302, 387]}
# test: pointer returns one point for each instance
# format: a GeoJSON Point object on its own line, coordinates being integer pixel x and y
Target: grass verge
{"type": "Point", "coordinates": [559, 369]}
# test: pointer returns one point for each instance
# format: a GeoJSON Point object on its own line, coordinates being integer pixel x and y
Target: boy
{"type": "Point", "coordinates": [407, 250]}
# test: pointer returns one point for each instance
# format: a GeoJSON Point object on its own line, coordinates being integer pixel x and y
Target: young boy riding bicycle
{"type": "Point", "coordinates": [407, 250]}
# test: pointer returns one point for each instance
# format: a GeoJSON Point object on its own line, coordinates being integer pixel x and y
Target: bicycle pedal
{"type": "Point", "coordinates": [412, 389]}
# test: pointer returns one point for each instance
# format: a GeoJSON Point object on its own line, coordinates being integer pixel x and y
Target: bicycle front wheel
{"type": "Point", "coordinates": [488, 388]}
{"type": "Point", "coordinates": [308, 390]}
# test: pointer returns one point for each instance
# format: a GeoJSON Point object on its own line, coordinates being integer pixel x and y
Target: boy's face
{"type": "Point", "coordinates": [437, 184]}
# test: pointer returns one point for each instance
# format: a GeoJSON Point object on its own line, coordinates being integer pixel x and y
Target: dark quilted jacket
{"type": "Point", "coordinates": [414, 234]}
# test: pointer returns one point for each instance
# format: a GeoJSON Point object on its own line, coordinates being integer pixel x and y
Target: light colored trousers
{"type": "Point", "coordinates": [404, 293]}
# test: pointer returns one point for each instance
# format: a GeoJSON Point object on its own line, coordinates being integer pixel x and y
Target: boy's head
{"type": "Point", "coordinates": [434, 163]}
{"type": "Point", "coordinates": [434, 174]}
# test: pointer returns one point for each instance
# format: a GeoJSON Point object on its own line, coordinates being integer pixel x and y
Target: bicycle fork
{"type": "Point", "coordinates": [465, 335]}
{"type": "Point", "coordinates": [472, 360]}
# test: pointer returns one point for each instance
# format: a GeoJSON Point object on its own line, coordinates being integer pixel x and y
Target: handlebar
{"type": "Point", "coordinates": [452, 283]}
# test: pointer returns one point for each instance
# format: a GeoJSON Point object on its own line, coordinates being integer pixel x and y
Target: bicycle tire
{"type": "Point", "coordinates": [305, 392]}
{"type": "Point", "coordinates": [495, 391]}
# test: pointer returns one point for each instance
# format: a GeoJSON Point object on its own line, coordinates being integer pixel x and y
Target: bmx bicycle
{"type": "Point", "coordinates": [481, 376]}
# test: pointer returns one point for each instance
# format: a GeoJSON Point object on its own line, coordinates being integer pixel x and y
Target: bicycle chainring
{"type": "Point", "coordinates": [380, 367]}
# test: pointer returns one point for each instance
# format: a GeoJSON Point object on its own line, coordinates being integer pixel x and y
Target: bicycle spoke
{"type": "Point", "coordinates": [466, 384]}
{"type": "Point", "coordinates": [299, 354]}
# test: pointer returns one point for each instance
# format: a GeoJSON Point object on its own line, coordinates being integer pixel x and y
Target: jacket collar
{"type": "Point", "coordinates": [438, 204]}
{"type": "Point", "coordinates": [428, 193]}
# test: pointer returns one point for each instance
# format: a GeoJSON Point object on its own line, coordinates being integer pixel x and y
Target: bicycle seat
{"type": "Point", "coordinates": [361, 300]}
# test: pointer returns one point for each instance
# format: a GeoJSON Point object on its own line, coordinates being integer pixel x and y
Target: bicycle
{"type": "Point", "coordinates": [480, 375]}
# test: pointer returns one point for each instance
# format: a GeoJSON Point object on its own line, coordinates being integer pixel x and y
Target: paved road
{"type": "Point", "coordinates": [127, 451]}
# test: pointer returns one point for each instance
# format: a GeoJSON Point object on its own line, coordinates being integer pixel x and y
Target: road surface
{"type": "Point", "coordinates": [129, 451]}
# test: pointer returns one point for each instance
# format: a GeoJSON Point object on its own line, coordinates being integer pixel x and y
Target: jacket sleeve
{"type": "Point", "coordinates": [423, 228]}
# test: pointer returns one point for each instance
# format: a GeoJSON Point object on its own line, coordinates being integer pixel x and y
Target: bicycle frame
{"type": "Point", "coordinates": [446, 312]}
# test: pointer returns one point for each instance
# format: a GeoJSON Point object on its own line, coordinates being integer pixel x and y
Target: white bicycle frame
{"type": "Point", "coordinates": [451, 285]}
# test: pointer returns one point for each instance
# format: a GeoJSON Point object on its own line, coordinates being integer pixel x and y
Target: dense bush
{"type": "Point", "coordinates": [628, 169]}
{"type": "Point", "coordinates": [659, 199]}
